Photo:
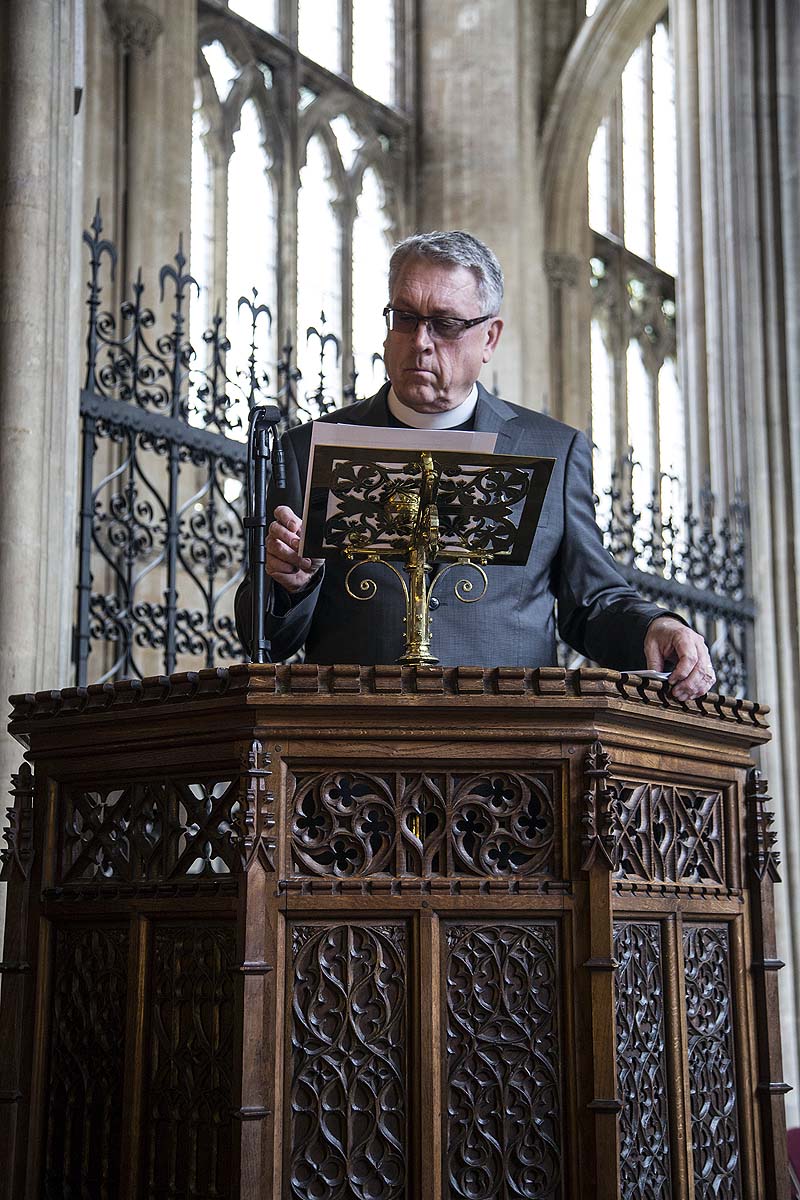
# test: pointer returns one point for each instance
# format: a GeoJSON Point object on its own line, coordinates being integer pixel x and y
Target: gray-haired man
{"type": "Point", "coordinates": [443, 324]}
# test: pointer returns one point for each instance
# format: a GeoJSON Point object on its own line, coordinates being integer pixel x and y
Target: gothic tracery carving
{"type": "Point", "coordinates": [87, 1054]}
{"type": "Point", "coordinates": [494, 823]}
{"type": "Point", "coordinates": [764, 859]}
{"type": "Point", "coordinates": [148, 830]}
{"type": "Point", "coordinates": [190, 1056]}
{"type": "Point", "coordinates": [671, 833]}
{"type": "Point", "coordinates": [599, 818]}
{"type": "Point", "coordinates": [641, 1064]}
{"type": "Point", "coordinates": [712, 1078]}
{"type": "Point", "coordinates": [18, 834]}
{"type": "Point", "coordinates": [503, 1062]}
{"type": "Point", "coordinates": [349, 1063]}
{"type": "Point", "coordinates": [254, 821]}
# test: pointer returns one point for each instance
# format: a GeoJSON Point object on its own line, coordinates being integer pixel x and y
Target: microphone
{"type": "Point", "coordinates": [278, 463]}
{"type": "Point", "coordinates": [263, 419]}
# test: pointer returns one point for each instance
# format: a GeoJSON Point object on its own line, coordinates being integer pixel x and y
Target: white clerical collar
{"type": "Point", "coordinates": [440, 420]}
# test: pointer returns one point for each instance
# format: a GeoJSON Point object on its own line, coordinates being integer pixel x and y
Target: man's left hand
{"type": "Point", "coordinates": [666, 639]}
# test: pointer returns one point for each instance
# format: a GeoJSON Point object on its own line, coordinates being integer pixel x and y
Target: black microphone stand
{"type": "Point", "coordinates": [263, 447]}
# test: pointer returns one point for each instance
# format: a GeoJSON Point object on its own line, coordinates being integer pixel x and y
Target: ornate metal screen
{"type": "Point", "coordinates": [163, 471]}
{"type": "Point", "coordinates": [162, 502]}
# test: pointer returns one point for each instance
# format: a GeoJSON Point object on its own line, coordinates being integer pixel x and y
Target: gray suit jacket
{"type": "Point", "coordinates": [514, 624]}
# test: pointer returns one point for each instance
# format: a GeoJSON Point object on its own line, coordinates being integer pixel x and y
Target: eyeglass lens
{"type": "Point", "coordinates": [446, 328]}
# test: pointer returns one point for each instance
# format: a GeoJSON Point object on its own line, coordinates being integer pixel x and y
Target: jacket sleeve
{"type": "Point", "coordinates": [288, 615]}
{"type": "Point", "coordinates": [599, 614]}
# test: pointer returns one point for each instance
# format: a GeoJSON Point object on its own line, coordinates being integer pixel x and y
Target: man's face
{"type": "Point", "coordinates": [431, 375]}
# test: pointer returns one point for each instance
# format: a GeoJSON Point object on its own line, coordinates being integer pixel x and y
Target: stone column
{"type": "Point", "coordinates": [478, 164]}
{"type": "Point", "coordinates": [39, 350]}
{"type": "Point", "coordinates": [739, 122]}
{"type": "Point", "coordinates": [139, 110]}
{"type": "Point", "coordinates": [570, 327]}
{"type": "Point", "coordinates": [158, 183]}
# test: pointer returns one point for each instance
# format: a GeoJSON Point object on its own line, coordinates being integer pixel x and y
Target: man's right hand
{"type": "Point", "coordinates": [284, 564]}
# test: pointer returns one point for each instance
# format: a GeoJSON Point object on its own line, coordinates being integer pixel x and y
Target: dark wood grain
{"type": "Point", "coordinates": [410, 933]}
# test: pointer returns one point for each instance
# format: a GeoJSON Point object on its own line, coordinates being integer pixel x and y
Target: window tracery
{"type": "Point", "coordinates": [638, 415]}
{"type": "Point", "coordinates": [299, 182]}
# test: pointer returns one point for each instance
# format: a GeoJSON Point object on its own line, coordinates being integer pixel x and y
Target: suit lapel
{"type": "Point", "coordinates": [368, 412]}
{"type": "Point", "coordinates": [493, 415]}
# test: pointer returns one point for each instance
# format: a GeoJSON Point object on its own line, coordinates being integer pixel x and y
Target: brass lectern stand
{"type": "Point", "coordinates": [402, 932]}
{"type": "Point", "coordinates": [433, 510]}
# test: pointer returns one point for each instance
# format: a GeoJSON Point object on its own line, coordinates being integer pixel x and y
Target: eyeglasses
{"type": "Point", "coordinates": [441, 329]}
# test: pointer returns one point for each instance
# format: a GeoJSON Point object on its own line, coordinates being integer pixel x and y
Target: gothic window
{"type": "Point", "coordinates": [263, 13]}
{"type": "Point", "coordinates": [251, 242]}
{"type": "Point", "coordinates": [371, 248]}
{"type": "Point", "coordinates": [300, 170]}
{"type": "Point", "coordinates": [637, 411]}
{"type": "Point", "coordinates": [319, 264]}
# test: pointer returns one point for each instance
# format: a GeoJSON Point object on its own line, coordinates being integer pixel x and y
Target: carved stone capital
{"type": "Point", "coordinates": [19, 833]}
{"type": "Point", "coordinates": [600, 819]}
{"type": "Point", "coordinates": [134, 26]}
{"type": "Point", "coordinates": [563, 269]}
{"type": "Point", "coordinates": [762, 856]}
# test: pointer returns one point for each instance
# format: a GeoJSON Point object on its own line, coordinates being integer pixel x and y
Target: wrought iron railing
{"type": "Point", "coordinates": [161, 537]}
{"type": "Point", "coordinates": [163, 463]}
{"type": "Point", "coordinates": [695, 564]}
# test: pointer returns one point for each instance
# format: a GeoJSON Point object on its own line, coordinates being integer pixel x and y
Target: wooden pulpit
{"type": "Point", "coordinates": [389, 933]}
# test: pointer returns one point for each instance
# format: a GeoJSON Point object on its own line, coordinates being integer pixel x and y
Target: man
{"type": "Point", "coordinates": [442, 327]}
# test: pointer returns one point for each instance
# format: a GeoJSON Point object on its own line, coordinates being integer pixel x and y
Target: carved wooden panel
{"type": "Point", "coordinates": [641, 1062]}
{"type": "Point", "coordinates": [149, 830]}
{"type": "Point", "coordinates": [87, 1050]}
{"type": "Point", "coordinates": [503, 1118]}
{"type": "Point", "coordinates": [187, 1124]}
{"type": "Point", "coordinates": [349, 1066]}
{"type": "Point", "coordinates": [670, 834]}
{"type": "Point", "coordinates": [712, 1077]}
{"type": "Point", "coordinates": [492, 823]}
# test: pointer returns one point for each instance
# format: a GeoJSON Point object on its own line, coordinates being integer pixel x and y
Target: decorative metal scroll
{"type": "Point", "coordinates": [503, 1116]}
{"type": "Point", "coordinates": [494, 823]}
{"type": "Point", "coordinates": [645, 1172]}
{"type": "Point", "coordinates": [349, 1063]}
{"type": "Point", "coordinates": [480, 507]}
{"type": "Point", "coordinates": [712, 1077]}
